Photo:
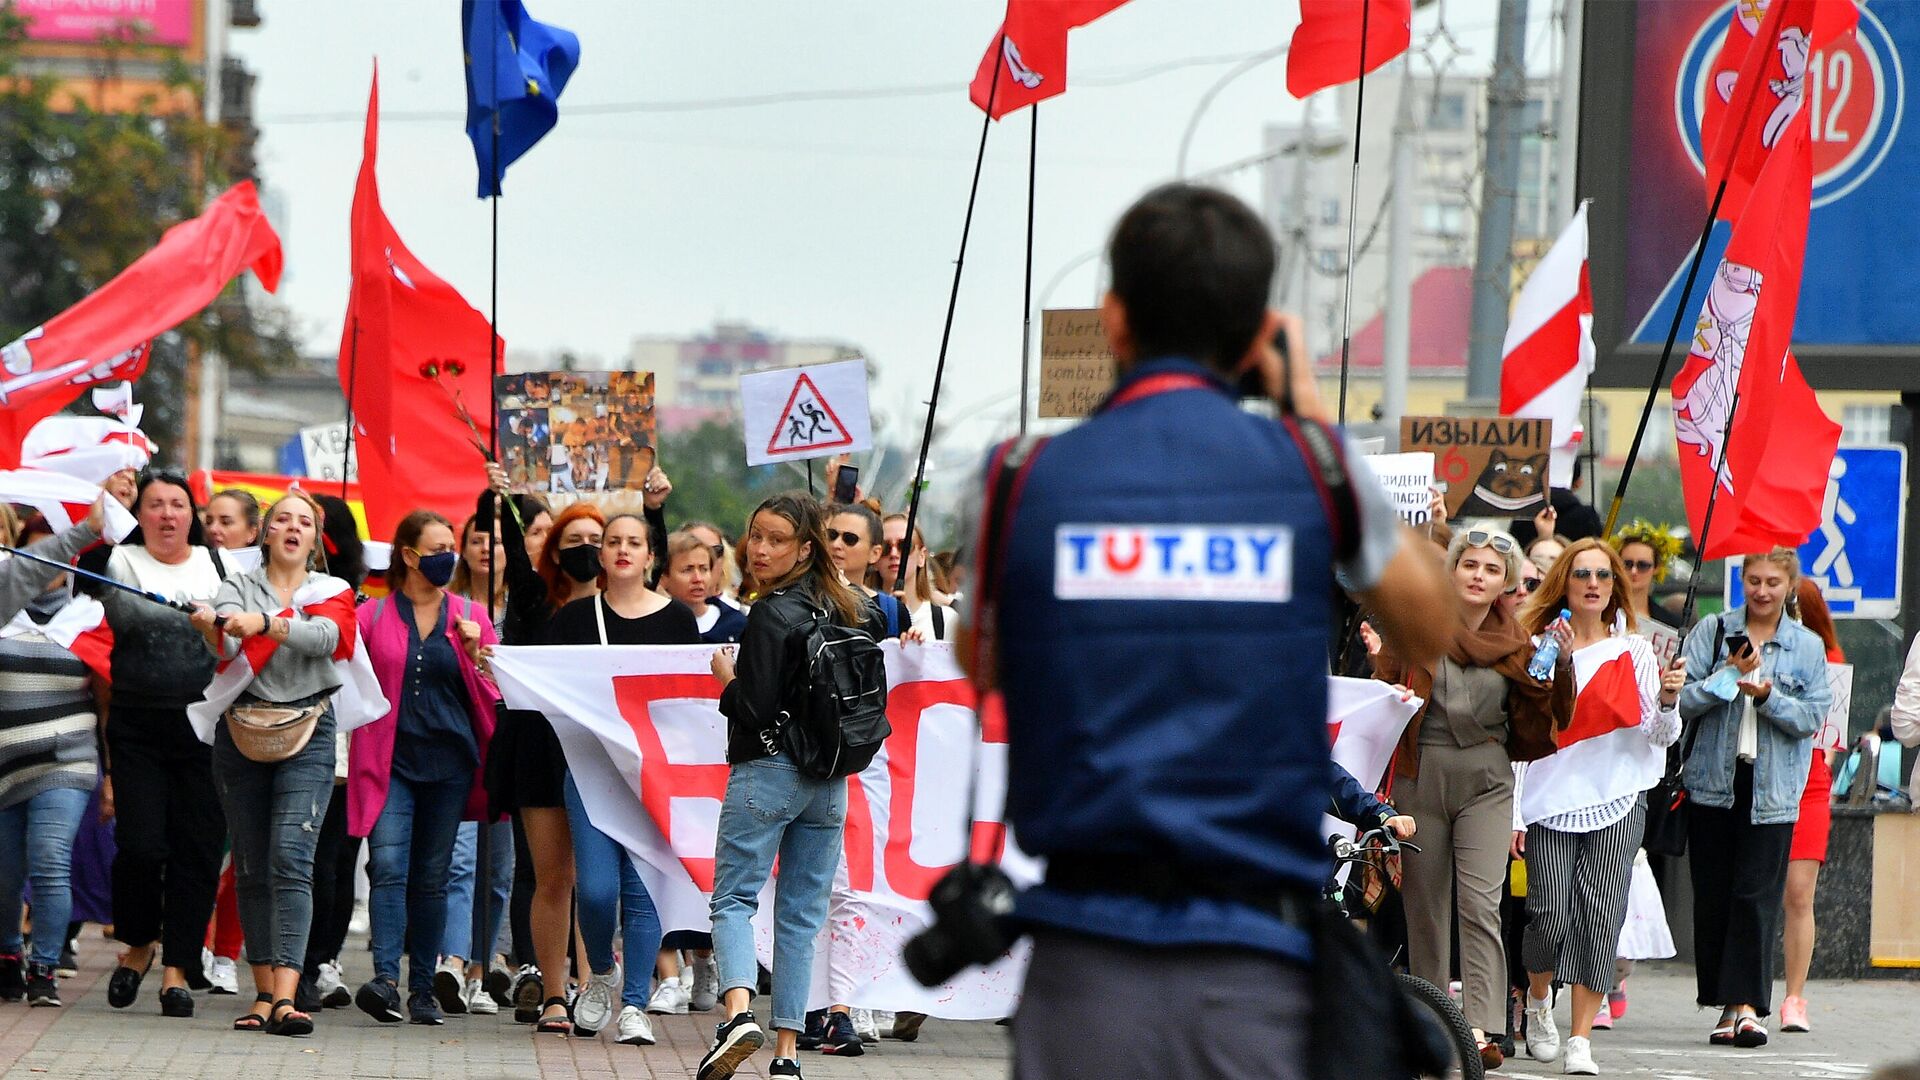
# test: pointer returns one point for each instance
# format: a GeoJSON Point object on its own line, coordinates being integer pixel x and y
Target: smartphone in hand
{"type": "Point", "coordinates": [846, 484]}
{"type": "Point", "coordinates": [1737, 644]}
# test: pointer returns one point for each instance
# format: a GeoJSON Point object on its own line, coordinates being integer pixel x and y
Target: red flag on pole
{"type": "Point", "coordinates": [1032, 42]}
{"type": "Point", "coordinates": [1781, 443]}
{"type": "Point", "coordinates": [104, 337]}
{"type": "Point", "coordinates": [410, 344]}
{"type": "Point", "coordinates": [1327, 45]}
{"type": "Point", "coordinates": [1757, 83]}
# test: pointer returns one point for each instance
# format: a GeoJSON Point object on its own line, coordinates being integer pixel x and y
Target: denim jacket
{"type": "Point", "coordinates": [1786, 721]}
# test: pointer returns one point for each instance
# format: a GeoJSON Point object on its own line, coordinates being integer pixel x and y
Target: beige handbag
{"type": "Point", "coordinates": [267, 733]}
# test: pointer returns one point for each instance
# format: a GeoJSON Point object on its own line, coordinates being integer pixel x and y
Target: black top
{"type": "Point", "coordinates": [728, 627]}
{"type": "Point", "coordinates": [770, 656]}
{"type": "Point", "coordinates": [575, 625]}
{"type": "Point", "coordinates": [1577, 520]}
{"type": "Point", "coordinates": [433, 739]}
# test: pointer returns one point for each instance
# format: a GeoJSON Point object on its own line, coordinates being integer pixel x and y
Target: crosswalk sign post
{"type": "Point", "coordinates": [1855, 555]}
{"type": "Point", "coordinates": [792, 414]}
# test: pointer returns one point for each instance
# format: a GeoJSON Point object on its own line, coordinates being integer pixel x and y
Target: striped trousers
{"type": "Point", "coordinates": [1577, 899]}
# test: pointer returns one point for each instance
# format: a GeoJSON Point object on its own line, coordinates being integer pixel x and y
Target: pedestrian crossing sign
{"type": "Point", "coordinates": [792, 414]}
{"type": "Point", "coordinates": [1855, 554]}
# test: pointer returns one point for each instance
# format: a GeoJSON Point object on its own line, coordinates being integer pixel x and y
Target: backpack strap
{"type": "Point", "coordinates": [939, 622]}
{"type": "Point", "coordinates": [1007, 474]}
{"type": "Point", "coordinates": [600, 615]}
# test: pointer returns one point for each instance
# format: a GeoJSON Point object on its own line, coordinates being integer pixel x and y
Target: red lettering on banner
{"type": "Point", "coordinates": [906, 704]}
{"type": "Point", "coordinates": [859, 837]}
{"type": "Point", "coordinates": [1128, 564]}
{"type": "Point", "coordinates": [660, 779]}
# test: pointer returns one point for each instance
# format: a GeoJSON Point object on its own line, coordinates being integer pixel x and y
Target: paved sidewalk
{"type": "Point", "coordinates": [1857, 1026]}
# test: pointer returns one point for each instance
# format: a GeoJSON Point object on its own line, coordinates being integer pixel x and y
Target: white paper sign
{"type": "Point", "coordinates": [1408, 480]}
{"type": "Point", "coordinates": [327, 453]}
{"type": "Point", "coordinates": [820, 410]}
{"type": "Point", "coordinates": [1833, 733]}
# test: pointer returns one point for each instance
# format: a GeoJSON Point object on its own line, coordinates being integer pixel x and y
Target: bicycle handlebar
{"type": "Point", "coordinates": [1379, 839]}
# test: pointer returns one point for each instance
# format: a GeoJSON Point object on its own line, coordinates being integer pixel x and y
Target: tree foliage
{"type": "Point", "coordinates": [84, 192]}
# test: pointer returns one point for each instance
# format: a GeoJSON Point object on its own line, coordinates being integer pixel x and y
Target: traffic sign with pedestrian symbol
{"type": "Point", "coordinates": [1854, 556]}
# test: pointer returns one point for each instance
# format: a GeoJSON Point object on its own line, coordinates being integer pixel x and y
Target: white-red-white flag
{"type": "Point", "coordinates": [80, 627]}
{"type": "Point", "coordinates": [62, 499]}
{"type": "Point", "coordinates": [1605, 751]}
{"type": "Point", "coordinates": [359, 701]}
{"type": "Point", "coordinates": [1549, 351]}
{"type": "Point", "coordinates": [91, 448]}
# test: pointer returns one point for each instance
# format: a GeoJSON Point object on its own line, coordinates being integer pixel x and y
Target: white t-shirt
{"type": "Point", "coordinates": [195, 579]}
{"type": "Point", "coordinates": [922, 621]}
{"type": "Point", "coordinates": [705, 622]}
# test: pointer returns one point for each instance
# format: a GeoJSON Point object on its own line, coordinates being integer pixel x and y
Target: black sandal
{"type": "Point", "coordinates": [290, 1022]}
{"type": "Point", "coordinates": [253, 1021]}
{"type": "Point", "coordinates": [554, 1025]}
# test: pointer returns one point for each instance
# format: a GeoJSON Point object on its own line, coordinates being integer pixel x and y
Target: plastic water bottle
{"type": "Point", "coordinates": [1542, 664]}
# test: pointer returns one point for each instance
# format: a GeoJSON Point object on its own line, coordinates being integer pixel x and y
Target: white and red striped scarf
{"type": "Point", "coordinates": [359, 700]}
{"type": "Point", "coordinates": [80, 627]}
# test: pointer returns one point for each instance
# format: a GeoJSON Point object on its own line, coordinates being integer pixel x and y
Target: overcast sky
{"type": "Point", "coordinates": [810, 218]}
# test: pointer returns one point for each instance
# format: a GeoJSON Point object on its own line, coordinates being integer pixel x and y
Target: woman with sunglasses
{"type": "Point", "coordinates": [1647, 552]}
{"type": "Point", "coordinates": [928, 612]}
{"type": "Point", "coordinates": [1514, 600]}
{"type": "Point", "coordinates": [1454, 775]}
{"type": "Point", "coordinates": [1757, 689]}
{"type": "Point", "coordinates": [1583, 807]}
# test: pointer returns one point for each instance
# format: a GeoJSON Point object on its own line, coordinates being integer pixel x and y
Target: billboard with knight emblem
{"type": "Point", "coordinates": [1649, 76]}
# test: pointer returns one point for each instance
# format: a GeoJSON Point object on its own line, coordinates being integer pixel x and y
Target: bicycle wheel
{"type": "Point", "coordinates": [1435, 1002]}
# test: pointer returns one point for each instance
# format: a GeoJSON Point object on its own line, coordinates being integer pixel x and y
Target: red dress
{"type": "Point", "coordinates": [1816, 803]}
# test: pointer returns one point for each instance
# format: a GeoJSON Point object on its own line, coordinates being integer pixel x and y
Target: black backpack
{"type": "Point", "coordinates": [839, 702]}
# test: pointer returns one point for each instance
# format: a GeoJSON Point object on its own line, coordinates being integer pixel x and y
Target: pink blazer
{"type": "Point", "coordinates": [370, 752]}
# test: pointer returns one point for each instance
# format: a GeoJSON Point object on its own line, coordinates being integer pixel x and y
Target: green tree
{"type": "Point", "coordinates": [711, 479]}
{"type": "Point", "coordinates": [85, 192]}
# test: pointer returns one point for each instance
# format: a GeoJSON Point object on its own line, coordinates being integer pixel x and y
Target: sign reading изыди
{"type": "Point", "coordinates": [1492, 467]}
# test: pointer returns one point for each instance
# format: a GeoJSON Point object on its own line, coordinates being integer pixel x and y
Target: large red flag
{"type": "Point", "coordinates": [1757, 83]}
{"type": "Point", "coordinates": [1326, 48]}
{"type": "Point", "coordinates": [1032, 42]}
{"type": "Point", "coordinates": [104, 337]}
{"type": "Point", "coordinates": [1781, 443]}
{"type": "Point", "coordinates": [410, 343]}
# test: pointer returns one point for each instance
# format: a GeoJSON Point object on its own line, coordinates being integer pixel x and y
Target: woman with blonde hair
{"type": "Point", "coordinates": [1757, 689]}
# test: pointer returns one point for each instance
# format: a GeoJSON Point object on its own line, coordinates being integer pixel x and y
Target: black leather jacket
{"type": "Point", "coordinates": [768, 662]}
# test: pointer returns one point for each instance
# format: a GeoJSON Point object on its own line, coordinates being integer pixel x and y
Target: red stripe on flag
{"type": "Point", "coordinates": [1609, 702]}
{"type": "Point", "coordinates": [1548, 356]}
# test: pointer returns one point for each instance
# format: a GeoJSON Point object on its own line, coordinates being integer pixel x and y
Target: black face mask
{"type": "Point", "coordinates": [581, 562]}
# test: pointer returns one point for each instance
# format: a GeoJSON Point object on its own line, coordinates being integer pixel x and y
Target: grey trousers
{"type": "Point", "coordinates": [1463, 803]}
{"type": "Point", "coordinates": [1099, 1008]}
{"type": "Point", "coordinates": [1577, 899]}
{"type": "Point", "coordinates": [274, 811]}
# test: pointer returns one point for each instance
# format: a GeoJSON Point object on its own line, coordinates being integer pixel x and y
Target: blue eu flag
{"type": "Point", "coordinates": [516, 68]}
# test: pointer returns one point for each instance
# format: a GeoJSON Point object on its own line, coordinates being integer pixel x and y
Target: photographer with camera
{"type": "Point", "coordinates": [1158, 626]}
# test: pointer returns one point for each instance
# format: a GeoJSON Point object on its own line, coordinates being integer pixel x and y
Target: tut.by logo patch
{"type": "Point", "coordinates": [1245, 563]}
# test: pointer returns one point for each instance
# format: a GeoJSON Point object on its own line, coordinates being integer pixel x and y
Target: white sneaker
{"type": "Point", "coordinates": [332, 985]}
{"type": "Point", "coordinates": [1579, 1058]}
{"type": "Point", "coordinates": [593, 1009]}
{"type": "Point", "coordinates": [635, 1028]}
{"type": "Point", "coordinates": [670, 999]}
{"type": "Point", "coordinates": [479, 1002]}
{"type": "Point", "coordinates": [865, 1027]}
{"type": "Point", "coordinates": [706, 983]}
{"type": "Point", "coordinates": [1543, 1038]}
{"type": "Point", "coordinates": [224, 976]}
{"type": "Point", "coordinates": [450, 985]}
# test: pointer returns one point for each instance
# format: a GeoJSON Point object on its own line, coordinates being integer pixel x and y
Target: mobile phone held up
{"type": "Point", "coordinates": [846, 484]}
{"type": "Point", "coordinates": [1737, 644]}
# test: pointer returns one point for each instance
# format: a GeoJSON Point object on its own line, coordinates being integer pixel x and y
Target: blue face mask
{"type": "Point", "coordinates": [1723, 684]}
{"type": "Point", "coordinates": [438, 567]}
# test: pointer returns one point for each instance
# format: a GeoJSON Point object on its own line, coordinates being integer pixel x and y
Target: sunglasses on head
{"type": "Point", "coordinates": [1585, 574]}
{"type": "Point", "coordinates": [1638, 566]}
{"type": "Point", "coordinates": [718, 550]}
{"type": "Point", "coordinates": [1499, 542]}
{"type": "Point", "coordinates": [851, 539]}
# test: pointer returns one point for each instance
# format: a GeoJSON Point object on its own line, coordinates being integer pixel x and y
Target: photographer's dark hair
{"type": "Point", "coordinates": [1192, 266]}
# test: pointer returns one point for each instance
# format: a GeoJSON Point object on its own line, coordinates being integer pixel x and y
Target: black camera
{"type": "Point", "coordinates": [970, 909]}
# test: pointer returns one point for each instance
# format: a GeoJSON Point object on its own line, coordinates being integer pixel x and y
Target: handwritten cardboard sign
{"type": "Point", "coordinates": [1408, 481]}
{"type": "Point", "coordinates": [1076, 367]}
{"type": "Point", "coordinates": [1492, 467]}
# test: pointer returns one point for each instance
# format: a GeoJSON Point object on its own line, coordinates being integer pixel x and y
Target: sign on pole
{"type": "Point", "coordinates": [327, 453]}
{"type": "Point", "coordinates": [1408, 480]}
{"type": "Point", "coordinates": [576, 432]}
{"type": "Point", "coordinates": [1076, 367]}
{"type": "Point", "coordinates": [1854, 556]}
{"type": "Point", "coordinates": [1492, 467]}
{"type": "Point", "coordinates": [791, 414]}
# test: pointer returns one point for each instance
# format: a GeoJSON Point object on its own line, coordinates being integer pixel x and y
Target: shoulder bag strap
{"type": "Point", "coordinates": [1327, 464]}
{"type": "Point", "coordinates": [1692, 730]}
{"type": "Point", "coordinates": [1006, 477]}
{"type": "Point", "coordinates": [939, 622]}
{"type": "Point", "coordinates": [600, 615]}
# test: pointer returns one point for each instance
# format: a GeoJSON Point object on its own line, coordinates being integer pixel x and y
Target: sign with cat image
{"type": "Point", "coordinates": [1491, 466]}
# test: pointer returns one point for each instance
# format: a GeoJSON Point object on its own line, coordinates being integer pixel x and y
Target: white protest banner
{"type": "Point", "coordinates": [327, 453]}
{"type": "Point", "coordinates": [790, 414]}
{"type": "Point", "coordinates": [1833, 732]}
{"type": "Point", "coordinates": [1408, 480]}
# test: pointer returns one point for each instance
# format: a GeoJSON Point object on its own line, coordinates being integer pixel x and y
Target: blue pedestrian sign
{"type": "Point", "coordinates": [1854, 556]}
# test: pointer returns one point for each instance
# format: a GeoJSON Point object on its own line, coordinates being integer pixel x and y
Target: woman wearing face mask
{"type": "Point", "coordinates": [1581, 809]}
{"type": "Point", "coordinates": [298, 624]}
{"type": "Point", "coordinates": [1757, 689]}
{"type": "Point", "coordinates": [528, 771]}
{"type": "Point", "coordinates": [787, 548]}
{"type": "Point", "coordinates": [626, 612]}
{"type": "Point", "coordinates": [169, 826]}
{"type": "Point", "coordinates": [48, 762]}
{"type": "Point", "coordinates": [1454, 775]}
{"type": "Point", "coordinates": [414, 774]}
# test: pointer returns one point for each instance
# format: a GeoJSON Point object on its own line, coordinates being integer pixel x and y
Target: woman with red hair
{"type": "Point", "coordinates": [527, 772]}
{"type": "Point", "coordinates": [1809, 851]}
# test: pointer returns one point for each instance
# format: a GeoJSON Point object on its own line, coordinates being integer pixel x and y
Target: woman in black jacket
{"type": "Point", "coordinates": [770, 806]}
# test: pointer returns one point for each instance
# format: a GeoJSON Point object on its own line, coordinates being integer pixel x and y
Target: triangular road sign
{"type": "Point", "coordinates": [807, 423]}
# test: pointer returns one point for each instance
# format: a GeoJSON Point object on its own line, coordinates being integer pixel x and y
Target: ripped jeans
{"type": "Point", "coordinates": [274, 812]}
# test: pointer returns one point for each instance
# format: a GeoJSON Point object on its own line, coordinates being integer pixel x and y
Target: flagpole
{"type": "Point", "coordinates": [953, 302]}
{"type": "Point", "coordinates": [1706, 523]}
{"type": "Point", "coordinates": [353, 382]}
{"type": "Point", "coordinates": [1353, 210]}
{"type": "Point", "coordinates": [1026, 306]}
{"type": "Point", "coordinates": [493, 365]}
{"type": "Point", "coordinates": [1679, 315]}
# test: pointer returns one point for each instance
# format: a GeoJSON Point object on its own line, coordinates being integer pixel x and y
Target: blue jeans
{"type": "Point", "coordinates": [407, 859]}
{"type": "Point", "coordinates": [475, 913]}
{"type": "Point", "coordinates": [274, 810]}
{"type": "Point", "coordinates": [36, 845]}
{"type": "Point", "coordinates": [606, 884]}
{"type": "Point", "coordinates": [770, 809]}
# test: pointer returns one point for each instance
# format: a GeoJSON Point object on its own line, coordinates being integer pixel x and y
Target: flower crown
{"type": "Point", "coordinates": [1666, 546]}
